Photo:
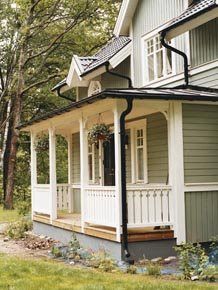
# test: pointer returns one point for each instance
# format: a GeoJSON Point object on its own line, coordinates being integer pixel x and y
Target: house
{"type": "Point", "coordinates": [155, 183]}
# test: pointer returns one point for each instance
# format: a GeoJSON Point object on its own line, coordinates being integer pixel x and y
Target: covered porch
{"type": "Point", "coordinates": [90, 201]}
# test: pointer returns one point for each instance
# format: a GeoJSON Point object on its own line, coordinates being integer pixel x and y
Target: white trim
{"type": "Point", "coordinates": [121, 55]}
{"type": "Point", "coordinates": [151, 35]}
{"type": "Point", "coordinates": [132, 56]}
{"type": "Point", "coordinates": [192, 187]}
{"type": "Point", "coordinates": [124, 19]}
{"type": "Point", "coordinates": [52, 175]}
{"type": "Point", "coordinates": [70, 169]}
{"type": "Point", "coordinates": [92, 88]}
{"type": "Point", "coordinates": [193, 23]}
{"type": "Point", "coordinates": [91, 153]}
{"type": "Point", "coordinates": [176, 168]}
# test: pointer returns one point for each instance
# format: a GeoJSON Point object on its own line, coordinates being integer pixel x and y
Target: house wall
{"type": "Point", "coordinates": [204, 43]}
{"type": "Point", "coordinates": [201, 215]}
{"type": "Point", "coordinates": [148, 16]}
{"type": "Point", "coordinates": [76, 158]}
{"type": "Point", "coordinates": [200, 133]}
{"type": "Point", "coordinates": [157, 148]}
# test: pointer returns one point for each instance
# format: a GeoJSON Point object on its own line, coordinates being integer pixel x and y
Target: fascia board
{"type": "Point", "coordinates": [121, 55]}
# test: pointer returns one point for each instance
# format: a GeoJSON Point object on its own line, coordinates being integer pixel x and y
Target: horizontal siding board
{"type": "Point", "coordinates": [200, 137]}
{"type": "Point", "coordinates": [201, 215]}
{"type": "Point", "coordinates": [157, 148]}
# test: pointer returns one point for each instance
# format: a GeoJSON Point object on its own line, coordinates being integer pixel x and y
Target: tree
{"type": "Point", "coordinates": [34, 35]}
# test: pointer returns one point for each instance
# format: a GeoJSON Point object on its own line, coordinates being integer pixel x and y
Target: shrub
{"type": "Point", "coordinates": [209, 274]}
{"type": "Point", "coordinates": [17, 230]}
{"type": "Point", "coordinates": [23, 208]}
{"type": "Point", "coordinates": [131, 269]}
{"type": "Point", "coordinates": [103, 261]}
{"type": "Point", "coordinates": [153, 269]}
{"type": "Point", "coordinates": [192, 259]}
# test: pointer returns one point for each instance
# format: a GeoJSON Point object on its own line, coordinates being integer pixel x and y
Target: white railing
{"type": "Point", "coordinates": [150, 206]}
{"type": "Point", "coordinates": [40, 198]}
{"type": "Point", "coordinates": [64, 197]}
{"type": "Point", "coordinates": [100, 205]}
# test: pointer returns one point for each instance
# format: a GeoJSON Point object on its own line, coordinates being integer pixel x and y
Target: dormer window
{"type": "Point", "coordinates": [94, 88]}
{"type": "Point", "coordinates": [158, 61]}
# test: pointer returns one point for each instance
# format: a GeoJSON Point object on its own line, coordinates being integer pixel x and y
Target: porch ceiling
{"type": "Point", "coordinates": [189, 94]}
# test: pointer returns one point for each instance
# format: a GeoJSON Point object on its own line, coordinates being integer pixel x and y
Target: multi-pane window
{"type": "Point", "coordinates": [140, 159]}
{"type": "Point", "coordinates": [91, 160]}
{"type": "Point", "coordinates": [158, 59]}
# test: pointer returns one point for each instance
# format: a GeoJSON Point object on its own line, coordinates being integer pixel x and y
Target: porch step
{"type": "Point", "coordinates": [137, 236]}
{"type": "Point", "coordinates": [101, 232]}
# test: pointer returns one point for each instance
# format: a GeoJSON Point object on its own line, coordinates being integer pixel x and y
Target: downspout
{"type": "Point", "coordinates": [179, 52]}
{"type": "Point", "coordinates": [63, 96]}
{"type": "Point", "coordinates": [129, 101]}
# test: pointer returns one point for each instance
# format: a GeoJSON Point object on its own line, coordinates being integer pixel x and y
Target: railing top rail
{"type": "Point", "coordinates": [42, 186]}
{"type": "Point", "coordinates": [63, 184]}
{"type": "Point", "coordinates": [100, 188]}
{"type": "Point", "coordinates": [148, 187]}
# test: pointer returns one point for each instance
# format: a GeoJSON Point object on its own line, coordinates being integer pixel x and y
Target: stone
{"type": "Point", "coordinates": [156, 260]}
{"type": "Point", "coordinates": [195, 278]}
{"type": "Point", "coordinates": [6, 239]}
{"type": "Point", "coordinates": [170, 259]}
{"type": "Point", "coordinates": [72, 263]}
{"type": "Point", "coordinates": [144, 262]}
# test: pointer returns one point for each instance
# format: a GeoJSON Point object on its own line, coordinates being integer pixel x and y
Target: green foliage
{"type": "Point", "coordinates": [99, 132]}
{"type": "Point", "coordinates": [17, 230]}
{"type": "Point", "coordinates": [56, 252]}
{"type": "Point", "coordinates": [153, 269]}
{"type": "Point", "coordinates": [23, 207]}
{"type": "Point", "coordinates": [101, 260]}
{"type": "Point", "coordinates": [131, 269]}
{"type": "Point", "coordinates": [209, 274]}
{"type": "Point", "coordinates": [193, 260]}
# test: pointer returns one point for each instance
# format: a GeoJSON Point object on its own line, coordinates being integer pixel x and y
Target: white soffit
{"type": "Point", "coordinates": [195, 22]}
{"type": "Point", "coordinates": [125, 16]}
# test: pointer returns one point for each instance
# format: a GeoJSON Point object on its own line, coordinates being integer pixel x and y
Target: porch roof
{"type": "Point", "coordinates": [190, 93]}
{"type": "Point", "coordinates": [193, 16]}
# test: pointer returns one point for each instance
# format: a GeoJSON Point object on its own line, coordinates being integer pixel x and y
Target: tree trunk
{"type": "Point", "coordinates": [9, 159]}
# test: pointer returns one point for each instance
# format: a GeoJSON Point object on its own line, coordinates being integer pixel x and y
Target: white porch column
{"type": "Point", "coordinates": [33, 165]}
{"type": "Point", "coordinates": [70, 171]}
{"type": "Point", "coordinates": [83, 167]}
{"type": "Point", "coordinates": [117, 144]}
{"type": "Point", "coordinates": [176, 168]}
{"type": "Point", "coordinates": [52, 174]}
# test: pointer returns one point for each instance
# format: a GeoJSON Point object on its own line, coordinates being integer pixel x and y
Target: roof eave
{"type": "Point", "coordinates": [192, 22]}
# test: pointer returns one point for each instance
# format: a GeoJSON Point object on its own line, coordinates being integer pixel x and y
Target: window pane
{"type": "Point", "coordinates": [151, 67]}
{"type": "Point", "coordinates": [140, 162]}
{"type": "Point", "coordinates": [160, 63]}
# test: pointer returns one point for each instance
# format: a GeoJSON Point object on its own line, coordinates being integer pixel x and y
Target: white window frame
{"type": "Point", "coordinates": [134, 126]}
{"type": "Point", "coordinates": [145, 70]}
{"type": "Point", "coordinates": [91, 153]}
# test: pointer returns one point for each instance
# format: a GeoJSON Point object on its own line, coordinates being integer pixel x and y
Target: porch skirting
{"type": "Point", "coordinates": [138, 250]}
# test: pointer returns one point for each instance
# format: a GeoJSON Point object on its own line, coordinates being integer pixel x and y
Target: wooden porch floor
{"type": "Point", "coordinates": [72, 222]}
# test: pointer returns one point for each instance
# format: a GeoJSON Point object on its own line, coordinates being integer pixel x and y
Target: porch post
{"type": "Point", "coordinates": [52, 174]}
{"type": "Point", "coordinates": [117, 146]}
{"type": "Point", "coordinates": [83, 167]}
{"type": "Point", "coordinates": [33, 165]}
{"type": "Point", "coordinates": [176, 168]}
{"type": "Point", "coordinates": [70, 171]}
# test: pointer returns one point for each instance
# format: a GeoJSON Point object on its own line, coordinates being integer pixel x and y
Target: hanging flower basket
{"type": "Point", "coordinates": [99, 132]}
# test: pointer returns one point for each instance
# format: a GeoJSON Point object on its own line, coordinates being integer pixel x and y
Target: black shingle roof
{"type": "Point", "coordinates": [105, 53]}
{"type": "Point", "coordinates": [195, 9]}
{"type": "Point", "coordinates": [190, 94]}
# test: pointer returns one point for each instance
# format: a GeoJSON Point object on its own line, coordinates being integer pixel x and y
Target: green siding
{"type": "Point", "coordinates": [204, 43]}
{"type": "Point", "coordinates": [201, 216]}
{"type": "Point", "coordinates": [76, 201]}
{"type": "Point", "coordinates": [207, 78]}
{"type": "Point", "coordinates": [157, 148]}
{"type": "Point", "coordinates": [110, 81]}
{"type": "Point", "coordinates": [200, 133]}
{"type": "Point", "coordinates": [76, 158]}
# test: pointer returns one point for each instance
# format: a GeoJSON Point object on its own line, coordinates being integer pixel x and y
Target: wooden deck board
{"type": "Point", "coordinates": [72, 222]}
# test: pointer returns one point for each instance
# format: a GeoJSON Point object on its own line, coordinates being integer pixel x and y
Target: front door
{"type": "Point", "coordinates": [109, 162]}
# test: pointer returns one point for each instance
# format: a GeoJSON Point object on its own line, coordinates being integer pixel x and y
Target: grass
{"type": "Point", "coordinates": [21, 274]}
{"type": "Point", "coordinates": [8, 215]}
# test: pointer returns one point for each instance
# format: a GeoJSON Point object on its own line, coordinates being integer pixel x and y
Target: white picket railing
{"type": "Point", "coordinates": [150, 206]}
{"type": "Point", "coordinates": [64, 197]}
{"type": "Point", "coordinates": [40, 198]}
{"type": "Point", "coordinates": [100, 205]}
